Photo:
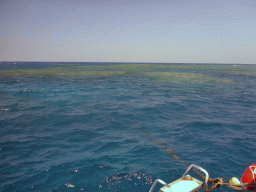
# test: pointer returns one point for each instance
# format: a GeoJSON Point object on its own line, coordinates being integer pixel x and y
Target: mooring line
{"type": "Point", "coordinates": [216, 183]}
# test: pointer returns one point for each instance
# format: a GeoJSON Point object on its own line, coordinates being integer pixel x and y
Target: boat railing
{"type": "Point", "coordinates": [185, 184]}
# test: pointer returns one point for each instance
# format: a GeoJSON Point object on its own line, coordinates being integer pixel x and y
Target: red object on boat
{"type": "Point", "coordinates": [249, 176]}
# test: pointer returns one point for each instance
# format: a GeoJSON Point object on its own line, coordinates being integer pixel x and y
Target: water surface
{"type": "Point", "coordinates": [83, 126]}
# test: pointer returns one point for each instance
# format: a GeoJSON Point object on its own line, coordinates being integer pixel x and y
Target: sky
{"type": "Point", "coordinates": [150, 31]}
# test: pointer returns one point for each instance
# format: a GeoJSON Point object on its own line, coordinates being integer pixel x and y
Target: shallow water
{"type": "Point", "coordinates": [83, 126]}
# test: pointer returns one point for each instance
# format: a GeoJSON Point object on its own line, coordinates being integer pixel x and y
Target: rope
{"type": "Point", "coordinates": [216, 183]}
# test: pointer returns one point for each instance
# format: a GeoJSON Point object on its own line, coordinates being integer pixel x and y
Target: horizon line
{"type": "Point", "coordinates": [123, 62]}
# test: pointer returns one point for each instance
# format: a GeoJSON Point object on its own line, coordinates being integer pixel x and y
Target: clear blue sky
{"type": "Point", "coordinates": [170, 31]}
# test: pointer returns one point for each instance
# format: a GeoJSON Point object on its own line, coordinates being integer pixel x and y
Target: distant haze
{"type": "Point", "coordinates": [164, 31]}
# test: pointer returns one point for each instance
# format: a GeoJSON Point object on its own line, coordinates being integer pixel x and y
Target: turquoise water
{"type": "Point", "coordinates": [84, 126]}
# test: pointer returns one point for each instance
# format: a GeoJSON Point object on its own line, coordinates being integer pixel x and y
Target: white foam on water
{"type": "Point", "coordinates": [69, 185]}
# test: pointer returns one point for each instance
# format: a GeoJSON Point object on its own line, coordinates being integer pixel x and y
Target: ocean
{"type": "Point", "coordinates": [97, 126]}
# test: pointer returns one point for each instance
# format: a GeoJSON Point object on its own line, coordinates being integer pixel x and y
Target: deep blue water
{"type": "Point", "coordinates": [83, 126]}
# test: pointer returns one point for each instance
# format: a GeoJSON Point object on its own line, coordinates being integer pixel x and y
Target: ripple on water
{"type": "Point", "coordinates": [119, 181]}
{"type": "Point", "coordinates": [70, 129]}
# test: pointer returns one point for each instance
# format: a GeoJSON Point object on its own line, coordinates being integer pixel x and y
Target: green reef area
{"type": "Point", "coordinates": [164, 72]}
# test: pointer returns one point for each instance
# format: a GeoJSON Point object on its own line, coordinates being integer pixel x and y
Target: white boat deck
{"type": "Point", "coordinates": [182, 186]}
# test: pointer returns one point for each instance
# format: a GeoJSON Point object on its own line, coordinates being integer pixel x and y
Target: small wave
{"type": "Point", "coordinates": [29, 90]}
{"type": "Point", "coordinates": [120, 180]}
{"type": "Point", "coordinates": [75, 170]}
{"type": "Point", "coordinates": [103, 165]}
{"type": "Point", "coordinates": [69, 185]}
{"type": "Point", "coordinates": [26, 90]}
{"type": "Point", "coordinates": [7, 109]}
